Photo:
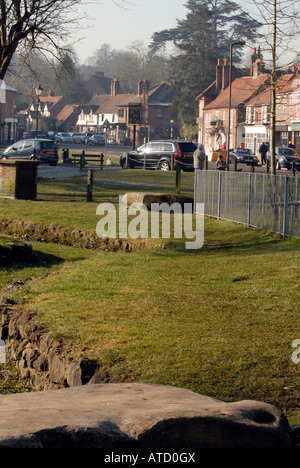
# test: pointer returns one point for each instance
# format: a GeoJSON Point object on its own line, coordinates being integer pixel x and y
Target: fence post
{"type": "Point", "coordinates": [219, 194]}
{"type": "Point", "coordinates": [178, 179]}
{"type": "Point", "coordinates": [286, 206]}
{"type": "Point", "coordinates": [101, 161]}
{"type": "Point", "coordinates": [89, 196]}
{"type": "Point", "coordinates": [249, 199]}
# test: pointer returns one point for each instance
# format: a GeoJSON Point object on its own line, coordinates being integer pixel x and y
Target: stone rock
{"type": "Point", "coordinates": [137, 416]}
{"type": "Point", "coordinates": [141, 198]}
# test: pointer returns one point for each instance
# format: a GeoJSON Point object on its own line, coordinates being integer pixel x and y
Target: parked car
{"type": "Point", "coordinates": [284, 158]}
{"type": "Point", "coordinates": [43, 150]}
{"type": "Point", "coordinates": [158, 155]}
{"type": "Point", "coordinates": [243, 156]}
{"type": "Point", "coordinates": [32, 134]}
{"type": "Point", "coordinates": [63, 137]}
{"type": "Point", "coordinates": [96, 140]}
{"type": "Point", "coordinates": [81, 137]}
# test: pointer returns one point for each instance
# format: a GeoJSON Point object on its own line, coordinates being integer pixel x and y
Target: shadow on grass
{"type": "Point", "coordinates": [37, 259]}
{"type": "Point", "coordinates": [260, 242]}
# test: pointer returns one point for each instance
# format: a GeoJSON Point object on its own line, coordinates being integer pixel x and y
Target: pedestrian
{"type": "Point", "coordinates": [220, 163]}
{"type": "Point", "coordinates": [199, 157]}
{"type": "Point", "coordinates": [263, 152]}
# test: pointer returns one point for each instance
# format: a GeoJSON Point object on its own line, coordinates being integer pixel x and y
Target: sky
{"type": "Point", "coordinates": [120, 26]}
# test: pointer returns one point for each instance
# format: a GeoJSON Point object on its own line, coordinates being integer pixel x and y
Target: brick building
{"type": "Point", "coordinates": [8, 114]}
{"type": "Point", "coordinates": [213, 120]}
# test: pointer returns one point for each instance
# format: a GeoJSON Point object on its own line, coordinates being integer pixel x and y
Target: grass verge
{"type": "Point", "coordinates": [220, 320]}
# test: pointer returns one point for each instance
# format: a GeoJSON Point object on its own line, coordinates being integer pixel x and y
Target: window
{"type": "Point", "coordinates": [298, 108]}
{"type": "Point", "coordinates": [265, 116]}
{"type": "Point", "coordinates": [167, 147]}
{"type": "Point", "coordinates": [28, 144]}
{"type": "Point", "coordinates": [121, 113]}
{"type": "Point", "coordinates": [249, 114]}
{"type": "Point", "coordinates": [160, 113]}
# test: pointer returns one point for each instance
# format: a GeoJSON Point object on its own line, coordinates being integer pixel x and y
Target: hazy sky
{"type": "Point", "coordinates": [120, 26]}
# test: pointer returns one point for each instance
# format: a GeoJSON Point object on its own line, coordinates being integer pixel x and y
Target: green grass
{"type": "Point", "coordinates": [220, 320]}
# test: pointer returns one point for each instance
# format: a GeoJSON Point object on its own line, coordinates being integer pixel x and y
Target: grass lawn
{"type": "Point", "coordinates": [219, 320]}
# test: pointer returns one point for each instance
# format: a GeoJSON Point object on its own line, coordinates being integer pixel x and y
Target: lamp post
{"type": "Point", "coordinates": [38, 92]}
{"type": "Point", "coordinates": [242, 43]}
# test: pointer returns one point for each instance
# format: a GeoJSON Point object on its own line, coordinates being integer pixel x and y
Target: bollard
{"type": "Point", "coordinates": [101, 161]}
{"type": "Point", "coordinates": [267, 166]}
{"type": "Point", "coordinates": [206, 163]}
{"type": "Point", "coordinates": [293, 169]}
{"type": "Point", "coordinates": [172, 162]}
{"type": "Point", "coordinates": [127, 156]}
{"type": "Point", "coordinates": [90, 179]}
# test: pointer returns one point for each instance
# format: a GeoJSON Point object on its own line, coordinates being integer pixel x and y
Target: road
{"type": "Point", "coordinates": [62, 171]}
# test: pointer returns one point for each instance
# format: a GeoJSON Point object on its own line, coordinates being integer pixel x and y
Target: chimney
{"type": "Point", "coordinates": [140, 87]}
{"type": "Point", "coordinates": [115, 87]}
{"type": "Point", "coordinates": [219, 76]}
{"type": "Point", "coordinates": [145, 86]}
{"type": "Point", "coordinates": [51, 93]}
{"type": "Point", "coordinates": [257, 63]}
{"type": "Point", "coordinates": [225, 76]}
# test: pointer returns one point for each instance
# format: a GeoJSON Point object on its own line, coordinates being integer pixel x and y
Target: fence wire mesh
{"type": "Point", "coordinates": [261, 200]}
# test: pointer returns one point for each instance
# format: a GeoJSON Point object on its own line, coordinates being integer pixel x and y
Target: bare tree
{"type": "Point", "coordinates": [34, 24]}
{"type": "Point", "coordinates": [281, 19]}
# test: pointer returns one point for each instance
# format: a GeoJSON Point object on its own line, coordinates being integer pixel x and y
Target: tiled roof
{"type": "Point", "coordinates": [242, 89]}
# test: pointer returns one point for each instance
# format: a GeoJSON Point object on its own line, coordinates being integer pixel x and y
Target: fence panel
{"type": "Point", "coordinates": [261, 200]}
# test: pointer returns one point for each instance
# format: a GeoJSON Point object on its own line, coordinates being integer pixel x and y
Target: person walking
{"type": "Point", "coordinates": [199, 157]}
{"type": "Point", "coordinates": [263, 149]}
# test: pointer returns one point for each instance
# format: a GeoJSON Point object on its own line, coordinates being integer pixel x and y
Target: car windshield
{"type": "Point", "coordinates": [244, 151]}
{"type": "Point", "coordinates": [187, 147]}
{"type": "Point", "coordinates": [285, 151]}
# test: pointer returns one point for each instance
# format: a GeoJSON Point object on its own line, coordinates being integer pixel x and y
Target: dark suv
{"type": "Point", "coordinates": [158, 155]}
{"type": "Point", "coordinates": [42, 150]}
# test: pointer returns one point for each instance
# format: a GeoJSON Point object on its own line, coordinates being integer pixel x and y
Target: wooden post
{"type": "Point", "coordinates": [127, 156]}
{"type": "Point", "coordinates": [82, 160]}
{"type": "Point", "coordinates": [89, 197]}
{"type": "Point", "coordinates": [267, 166]}
{"type": "Point", "coordinates": [172, 162]}
{"type": "Point", "coordinates": [206, 163]}
{"type": "Point", "coordinates": [235, 164]}
{"type": "Point", "coordinates": [101, 161]}
{"type": "Point", "coordinates": [178, 179]}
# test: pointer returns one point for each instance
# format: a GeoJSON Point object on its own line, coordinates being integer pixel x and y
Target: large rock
{"type": "Point", "coordinates": [148, 199]}
{"type": "Point", "coordinates": [135, 416]}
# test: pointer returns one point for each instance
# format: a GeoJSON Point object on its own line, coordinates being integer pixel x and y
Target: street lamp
{"type": "Point", "coordinates": [242, 43]}
{"type": "Point", "coordinates": [38, 92]}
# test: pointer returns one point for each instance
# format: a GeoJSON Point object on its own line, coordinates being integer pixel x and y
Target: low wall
{"type": "Point", "coordinates": [38, 354]}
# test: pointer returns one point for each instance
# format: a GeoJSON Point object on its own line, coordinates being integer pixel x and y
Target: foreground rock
{"type": "Point", "coordinates": [135, 416]}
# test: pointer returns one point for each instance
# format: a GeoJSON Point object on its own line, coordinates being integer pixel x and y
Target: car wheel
{"type": "Point", "coordinates": [164, 166]}
{"type": "Point", "coordinates": [123, 164]}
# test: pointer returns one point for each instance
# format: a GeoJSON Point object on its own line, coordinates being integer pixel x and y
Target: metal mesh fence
{"type": "Point", "coordinates": [261, 200]}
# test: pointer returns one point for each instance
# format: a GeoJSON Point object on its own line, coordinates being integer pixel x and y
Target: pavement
{"type": "Point", "coordinates": [63, 171]}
